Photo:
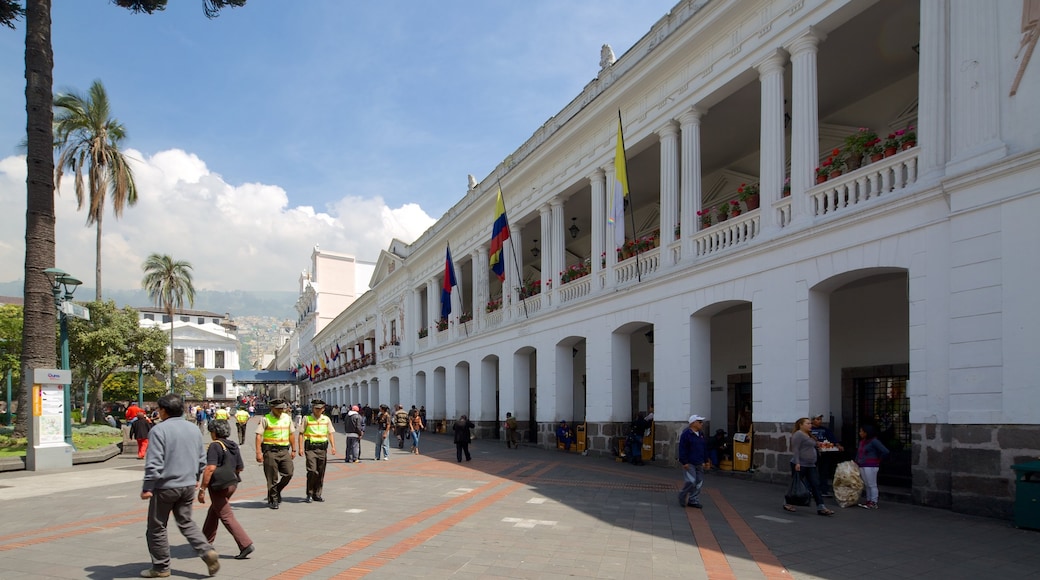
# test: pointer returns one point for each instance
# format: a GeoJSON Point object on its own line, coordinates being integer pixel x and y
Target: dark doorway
{"type": "Point", "coordinates": [882, 401]}
{"type": "Point", "coordinates": [739, 404]}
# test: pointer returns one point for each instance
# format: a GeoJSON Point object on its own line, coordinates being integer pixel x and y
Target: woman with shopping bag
{"type": "Point", "coordinates": [803, 466]}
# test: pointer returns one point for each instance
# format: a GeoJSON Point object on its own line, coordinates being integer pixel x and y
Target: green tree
{"type": "Point", "coordinates": [112, 340]}
{"type": "Point", "coordinates": [190, 384]}
{"type": "Point", "coordinates": [122, 386]}
{"type": "Point", "coordinates": [10, 347]}
{"type": "Point", "coordinates": [168, 284]}
{"type": "Point", "coordinates": [37, 344]}
{"type": "Point", "coordinates": [88, 142]}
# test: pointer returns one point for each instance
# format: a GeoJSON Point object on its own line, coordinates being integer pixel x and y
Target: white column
{"type": "Point", "coordinates": [669, 137]}
{"type": "Point", "coordinates": [932, 82]}
{"type": "Point", "coordinates": [805, 127]}
{"type": "Point", "coordinates": [690, 177]}
{"type": "Point", "coordinates": [514, 266]}
{"type": "Point", "coordinates": [557, 244]}
{"type": "Point", "coordinates": [976, 88]}
{"type": "Point", "coordinates": [433, 306]}
{"type": "Point", "coordinates": [611, 243]}
{"type": "Point", "coordinates": [409, 331]}
{"type": "Point", "coordinates": [480, 283]}
{"type": "Point", "coordinates": [598, 183]}
{"type": "Point", "coordinates": [771, 138]}
{"type": "Point", "coordinates": [546, 245]}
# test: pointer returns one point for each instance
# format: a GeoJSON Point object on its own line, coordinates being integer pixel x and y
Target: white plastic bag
{"type": "Point", "coordinates": [848, 485]}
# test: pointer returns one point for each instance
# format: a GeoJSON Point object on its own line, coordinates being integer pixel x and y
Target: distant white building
{"type": "Point", "coordinates": [201, 340]}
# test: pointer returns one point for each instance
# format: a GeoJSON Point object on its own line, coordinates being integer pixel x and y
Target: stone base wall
{"type": "Point", "coordinates": [601, 437]}
{"type": "Point", "coordinates": [965, 468]}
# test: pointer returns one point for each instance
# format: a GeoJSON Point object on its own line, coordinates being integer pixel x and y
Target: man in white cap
{"type": "Point", "coordinates": [693, 457]}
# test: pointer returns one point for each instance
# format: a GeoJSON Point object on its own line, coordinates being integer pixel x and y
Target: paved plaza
{"type": "Point", "coordinates": [527, 513]}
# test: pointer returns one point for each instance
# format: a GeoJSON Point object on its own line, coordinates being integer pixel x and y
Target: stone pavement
{"type": "Point", "coordinates": [528, 513]}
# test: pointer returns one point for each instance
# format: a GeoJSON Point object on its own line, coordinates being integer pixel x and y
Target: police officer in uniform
{"type": "Point", "coordinates": [316, 439]}
{"type": "Point", "coordinates": [241, 418]}
{"type": "Point", "coordinates": [275, 449]}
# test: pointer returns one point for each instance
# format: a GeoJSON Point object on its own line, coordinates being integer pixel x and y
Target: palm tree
{"type": "Point", "coordinates": [88, 141]}
{"type": "Point", "coordinates": [38, 324]}
{"type": "Point", "coordinates": [168, 284]}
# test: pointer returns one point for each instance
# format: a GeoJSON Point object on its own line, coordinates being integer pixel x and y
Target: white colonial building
{"type": "Point", "coordinates": [201, 340]}
{"type": "Point", "coordinates": [900, 292]}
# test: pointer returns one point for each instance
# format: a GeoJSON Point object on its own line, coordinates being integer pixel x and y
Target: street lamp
{"type": "Point", "coordinates": [63, 285]}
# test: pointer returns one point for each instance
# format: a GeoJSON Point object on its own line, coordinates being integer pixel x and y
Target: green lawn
{"type": "Point", "coordinates": [84, 438]}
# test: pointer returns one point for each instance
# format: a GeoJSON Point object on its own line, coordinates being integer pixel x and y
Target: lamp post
{"type": "Point", "coordinates": [63, 286]}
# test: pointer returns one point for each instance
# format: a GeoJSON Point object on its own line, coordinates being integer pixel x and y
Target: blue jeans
{"type": "Point", "coordinates": [415, 439]}
{"type": "Point", "coordinates": [383, 447]}
{"type": "Point", "coordinates": [691, 489]}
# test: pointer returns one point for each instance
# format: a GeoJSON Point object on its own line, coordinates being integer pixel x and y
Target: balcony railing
{"type": "Point", "coordinates": [724, 235]}
{"type": "Point", "coordinates": [872, 181]}
{"type": "Point", "coordinates": [881, 179]}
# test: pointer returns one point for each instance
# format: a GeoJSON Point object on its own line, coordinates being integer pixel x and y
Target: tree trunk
{"type": "Point", "coordinates": [97, 396]}
{"type": "Point", "coordinates": [38, 323]}
{"type": "Point", "coordinates": [97, 265]}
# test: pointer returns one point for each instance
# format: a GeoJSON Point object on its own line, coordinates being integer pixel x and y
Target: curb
{"type": "Point", "coordinates": [79, 457]}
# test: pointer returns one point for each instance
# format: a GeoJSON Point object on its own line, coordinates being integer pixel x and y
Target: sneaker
{"type": "Point", "coordinates": [245, 552]}
{"type": "Point", "coordinates": [319, 499]}
{"type": "Point", "coordinates": [212, 560]}
{"type": "Point", "coordinates": [695, 505]}
{"type": "Point", "coordinates": [865, 505]}
{"type": "Point", "coordinates": [308, 500]}
{"type": "Point", "coordinates": [155, 573]}
{"type": "Point", "coordinates": [873, 505]}
{"type": "Point", "coordinates": [682, 501]}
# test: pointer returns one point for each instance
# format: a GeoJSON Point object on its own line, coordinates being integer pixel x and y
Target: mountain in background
{"type": "Point", "coordinates": [238, 303]}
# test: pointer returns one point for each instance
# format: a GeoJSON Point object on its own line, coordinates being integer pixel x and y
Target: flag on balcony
{"type": "Point", "coordinates": [616, 212]}
{"type": "Point", "coordinates": [449, 283]}
{"type": "Point", "coordinates": [499, 235]}
{"type": "Point", "coordinates": [336, 351]}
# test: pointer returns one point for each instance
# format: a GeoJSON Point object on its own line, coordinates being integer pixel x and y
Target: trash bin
{"type": "Point", "coordinates": [580, 436]}
{"type": "Point", "coordinates": [1027, 495]}
{"type": "Point", "coordinates": [741, 451]}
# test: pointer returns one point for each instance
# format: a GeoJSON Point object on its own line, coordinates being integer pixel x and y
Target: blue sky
{"type": "Point", "coordinates": [281, 125]}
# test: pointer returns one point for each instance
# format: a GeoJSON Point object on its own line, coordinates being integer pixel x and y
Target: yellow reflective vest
{"type": "Point", "coordinates": [316, 430]}
{"type": "Point", "coordinates": [277, 430]}
{"type": "Point", "coordinates": [242, 416]}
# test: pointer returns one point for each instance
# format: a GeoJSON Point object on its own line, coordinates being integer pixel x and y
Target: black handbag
{"type": "Point", "coordinates": [225, 474]}
{"type": "Point", "coordinates": [798, 493]}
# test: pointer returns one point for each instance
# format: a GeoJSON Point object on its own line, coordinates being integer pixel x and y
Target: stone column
{"type": "Point", "coordinates": [598, 183]}
{"type": "Point", "coordinates": [669, 137]}
{"type": "Point", "coordinates": [433, 306]}
{"type": "Point", "coordinates": [976, 87]}
{"type": "Point", "coordinates": [557, 244]}
{"type": "Point", "coordinates": [610, 239]}
{"type": "Point", "coordinates": [805, 128]}
{"type": "Point", "coordinates": [772, 138]}
{"type": "Point", "coordinates": [480, 283]}
{"type": "Point", "coordinates": [546, 245]}
{"type": "Point", "coordinates": [690, 177]}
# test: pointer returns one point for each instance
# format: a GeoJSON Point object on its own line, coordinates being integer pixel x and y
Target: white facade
{"type": "Point", "coordinates": [898, 294]}
{"type": "Point", "coordinates": [200, 337]}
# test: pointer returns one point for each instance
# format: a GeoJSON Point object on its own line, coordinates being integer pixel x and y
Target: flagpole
{"type": "Point", "coordinates": [512, 248]}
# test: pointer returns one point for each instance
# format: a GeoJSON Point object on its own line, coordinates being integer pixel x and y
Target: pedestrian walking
{"type": "Point", "coordinates": [355, 427]}
{"type": "Point", "coordinates": [316, 440]}
{"type": "Point", "coordinates": [463, 437]}
{"type": "Point", "coordinates": [276, 449]}
{"type": "Point", "coordinates": [415, 426]}
{"type": "Point", "coordinates": [383, 425]}
{"type": "Point", "coordinates": [803, 464]}
{"type": "Point", "coordinates": [139, 430]}
{"type": "Point", "coordinates": [511, 433]}
{"type": "Point", "coordinates": [868, 457]}
{"type": "Point", "coordinates": [693, 457]}
{"type": "Point", "coordinates": [241, 419]}
{"type": "Point", "coordinates": [401, 424]}
{"type": "Point", "coordinates": [171, 473]}
{"type": "Point", "coordinates": [224, 455]}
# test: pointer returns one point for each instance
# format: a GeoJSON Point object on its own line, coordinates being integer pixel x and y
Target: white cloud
{"type": "Point", "coordinates": [237, 237]}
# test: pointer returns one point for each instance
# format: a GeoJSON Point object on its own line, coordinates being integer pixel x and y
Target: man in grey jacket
{"type": "Point", "coordinates": [173, 463]}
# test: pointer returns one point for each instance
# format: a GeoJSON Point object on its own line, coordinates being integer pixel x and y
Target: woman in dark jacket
{"type": "Point", "coordinates": [462, 437]}
{"type": "Point", "coordinates": [221, 451]}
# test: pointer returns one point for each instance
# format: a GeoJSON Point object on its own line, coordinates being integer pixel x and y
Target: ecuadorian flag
{"type": "Point", "coordinates": [499, 235]}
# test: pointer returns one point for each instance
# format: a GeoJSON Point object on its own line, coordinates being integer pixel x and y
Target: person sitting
{"type": "Point", "coordinates": [718, 448]}
{"type": "Point", "coordinates": [634, 441]}
{"type": "Point", "coordinates": [564, 436]}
